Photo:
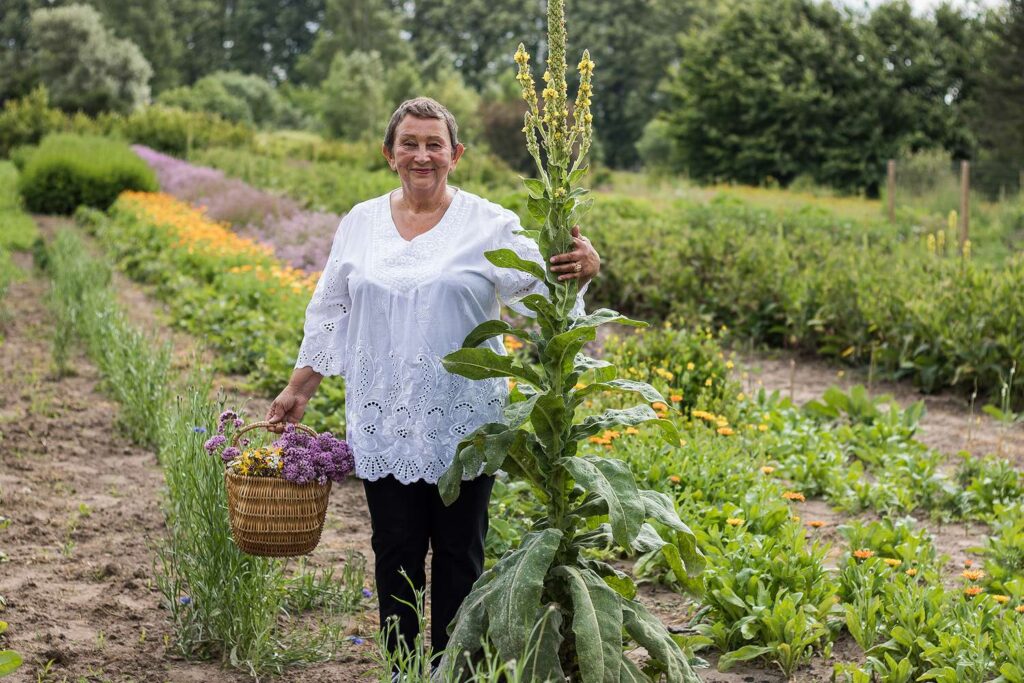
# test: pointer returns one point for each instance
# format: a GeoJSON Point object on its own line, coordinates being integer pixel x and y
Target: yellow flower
{"type": "Point", "coordinates": [674, 478]}
{"type": "Point", "coordinates": [911, 572]}
{"type": "Point", "coordinates": [863, 554]}
{"type": "Point", "coordinates": [1001, 599]}
{"type": "Point", "coordinates": [658, 405]}
{"type": "Point", "coordinates": [971, 591]}
{"type": "Point", "coordinates": [1020, 609]}
{"type": "Point", "coordinates": [729, 364]}
{"type": "Point", "coordinates": [767, 469]}
{"type": "Point", "coordinates": [690, 366]}
{"type": "Point", "coordinates": [682, 442]}
{"type": "Point", "coordinates": [762, 427]}
{"type": "Point", "coordinates": [794, 495]}
{"type": "Point", "coordinates": [708, 382]}
{"type": "Point", "coordinates": [816, 524]}
{"type": "Point", "coordinates": [725, 431]}
{"type": "Point", "coordinates": [676, 397]}
{"type": "Point", "coordinates": [632, 430]}
{"type": "Point", "coordinates": [972, 574]}
{"type": "Point", "coordinates": [734, 521]}
{"type": "Point", "coordinates": [892, 561]}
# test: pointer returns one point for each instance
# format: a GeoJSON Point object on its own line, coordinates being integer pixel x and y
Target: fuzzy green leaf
{"type": "Point", "coordinates": [614, 482]}
{"type": "Point", "coordinates": [469, 457]}
{"type": "Point", "coordinates": [651, 634]}
{"type": "Point", "coordinates": [494, 328]}
{"type": "Point", "coordinates": [545, 312]}
{"type": "Point", "coordinates": [620, 582]}
{"type": "Point", "coordinates": [535, 187]}
{"type": "Point", "coordinates": [645, 390]}
{"type": "Point", "coordinates": [658, 506]}
{"type": "Point", "coordinates": [596, 625]}
{"type": "Point", "coordinates": [517, 413]}
{"type": "Point", "coordinates": [506, 258]}
{"type": "Point", "coordinates": [627, 418]}
{"type": "Point", "coordinates": [538, 208]}
{"type": "Point", "coordinates": [549, 417]}
{"type": "Point", "coordinates": [578, 174]}
{"type": "Point", "coordinates": [606, 315]}
{"type": "Point", "coordinates": [520, 574]}
{"type": "Point", "coordinates": [560, 351]}
{"type": "Point", "coordinates": [485, 363]}
{"type": "Point", "coordinates": [542, 660]}
{"type": "Point", "coordinates": [603, 370]}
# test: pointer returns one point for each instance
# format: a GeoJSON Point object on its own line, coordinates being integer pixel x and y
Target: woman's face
{"type": "Point", "coordinates": [423, 155]}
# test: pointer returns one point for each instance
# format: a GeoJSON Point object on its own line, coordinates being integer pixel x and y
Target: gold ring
{"type": "Point", "coordinates": [577, 267]}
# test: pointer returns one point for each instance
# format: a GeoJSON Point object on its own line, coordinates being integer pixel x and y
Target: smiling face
{"type": "Point", "coordinates": [423, 155]}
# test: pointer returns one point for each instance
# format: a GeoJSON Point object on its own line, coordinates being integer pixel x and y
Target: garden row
{"type": "Point", "coordinates": [739, 477]}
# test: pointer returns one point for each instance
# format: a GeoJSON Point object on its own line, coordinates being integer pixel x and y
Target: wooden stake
{"type": "Point", "coordinates": [890, 191]}
{"type": "Point", "coordinates": [965, 204]}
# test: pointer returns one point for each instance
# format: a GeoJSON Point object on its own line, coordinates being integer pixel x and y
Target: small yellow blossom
{"type": "Point", "coordinates": [690, 366]}
{"type": "Point", "coordinates": [1020, 609]}
{"type": "Point", "coordinates": [911, 572]}
{"type": "Point", "coordinates": [972, 574]}
{"type": "Point", "coordinates": [676, 397]}
{"type": "Point", "coordinates": [972, 591]}
{"type": "Point", "coordinates": [762, 427]}
{"type": "Point", "coordinates": [708, 382]}
{"type": "Point", "coordinates": [892, 561]}
{"type": "Point", "coordinates": [734, 521]}
{"type": "Point", "coordinates": [863, 554]}
{"type": "Point", "coordinates": [794, 495]}
{"type": "Point", "coordinates": [767, 469]}
{"type": "Point", "coordinates": [674, 478]}
{"type": "Point", "coordinates": [725, 431]}
{"type": "Point", "coordinates": [632, 430]}
{"type": "Point", "coordinates": [816, 524]}
{"type": "Point", "coordinates": [1001, 599]}
{"type": "Point", "coordinates": [658, 405]}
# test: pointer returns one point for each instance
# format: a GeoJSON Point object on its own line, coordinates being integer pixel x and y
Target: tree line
{"type": "Point", "coordinates": [755, 91]}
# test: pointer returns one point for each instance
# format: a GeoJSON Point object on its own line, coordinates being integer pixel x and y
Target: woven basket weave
{"type": "Point", "coordinates": [271, 517]}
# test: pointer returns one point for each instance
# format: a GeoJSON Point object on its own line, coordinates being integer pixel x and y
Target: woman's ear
{"type": "Point", "coordinates": [456, 155]}
{"type": "Point", "coordinates": [387, 155]}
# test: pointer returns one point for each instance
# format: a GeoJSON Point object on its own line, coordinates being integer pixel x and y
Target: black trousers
{"type": "Point", "coordinates": [406, 518]}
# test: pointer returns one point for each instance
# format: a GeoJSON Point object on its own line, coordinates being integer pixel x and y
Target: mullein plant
{"type": "Point", "coordinates": [549, 603]}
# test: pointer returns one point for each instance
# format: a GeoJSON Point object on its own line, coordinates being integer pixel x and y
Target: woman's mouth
{"type": "Point", "coordinates": [423, 171]}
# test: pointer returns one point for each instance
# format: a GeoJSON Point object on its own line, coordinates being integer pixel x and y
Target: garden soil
{"type": "Point", "coordinates": [83, 516]}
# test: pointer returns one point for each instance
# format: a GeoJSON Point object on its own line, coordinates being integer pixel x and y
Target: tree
{"type": "Point", "coordinates": [243, 98]}
{"type": "Point", "coordinates": [351, 26]}
{"type": "Point", "coordinates": [83, 66]}
{"type": "Point", "coordinates": [634, 43]}
{"type": "Point", "coordinates": [353, 104]}
{"type": "Point", "coordinates": [999, 119]}
{"type": "Point", "coordinates": [150, 25]}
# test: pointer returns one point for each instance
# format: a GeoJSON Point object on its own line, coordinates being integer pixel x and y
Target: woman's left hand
{"type": "Point", "coordinates": [583, 262]}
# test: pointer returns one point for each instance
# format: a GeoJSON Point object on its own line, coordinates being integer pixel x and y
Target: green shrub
{"type": "Point", "coordinates": [17, 229]}
{"type": "Point", "coordinates": [176, 131]}
{"type": "Point", "coordinates": [69, 170]}
{"type": "Point", "coordinates": [27, 120]}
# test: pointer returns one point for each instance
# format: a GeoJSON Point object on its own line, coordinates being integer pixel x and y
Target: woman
{"type": "Point", "coordinates": [405, 283]}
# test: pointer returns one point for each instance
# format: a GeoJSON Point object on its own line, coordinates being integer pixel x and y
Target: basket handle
{"type": "Point", "coordinates": [263, 423]}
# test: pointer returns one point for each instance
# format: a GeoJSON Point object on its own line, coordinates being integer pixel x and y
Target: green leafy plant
{"type": "Point", "coordinates": [546, 598]}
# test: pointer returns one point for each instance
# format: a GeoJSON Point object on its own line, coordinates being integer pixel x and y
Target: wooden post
{"type": "Point", "coordinates": [965, 202]}
{"type": "Point", "coordinates": [890, 191]}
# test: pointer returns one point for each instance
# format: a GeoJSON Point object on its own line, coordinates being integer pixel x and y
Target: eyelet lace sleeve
{"type": "Point", "coordinates": [511, 284]}
{"type": "Point", "coordinates": [327, 315]}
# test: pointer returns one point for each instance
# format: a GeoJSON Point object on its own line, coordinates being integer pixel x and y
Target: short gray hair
{"type": "Point", "coordinates": [424, 108]}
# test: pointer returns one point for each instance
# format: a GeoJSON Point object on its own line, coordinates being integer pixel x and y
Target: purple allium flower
{"type": "Point", "coordinates": [227, 415]}
{"type": "Point", "coordinates": [230, 453]}
{"type": "Point", "coordinates": [214, 442]}
{"type": "Point", "coordinates": [238, 422]}
{"type": "Point", "coordinates": [199, 430]}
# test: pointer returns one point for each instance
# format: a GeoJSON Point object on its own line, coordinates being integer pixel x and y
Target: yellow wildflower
{"type": "Point", "coordinates": [863, 554]}
{"type": "Point", "coordinates": [734, 521]}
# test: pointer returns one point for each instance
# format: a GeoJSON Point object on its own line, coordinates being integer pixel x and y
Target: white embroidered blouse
{"type": "Point", "coordinates": [386, 310]}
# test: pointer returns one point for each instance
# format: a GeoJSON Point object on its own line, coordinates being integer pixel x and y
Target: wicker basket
{"type": "Point", "coordinates": [271, 517]}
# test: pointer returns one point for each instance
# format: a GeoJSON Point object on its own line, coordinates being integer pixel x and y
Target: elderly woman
{"type": "Point", "coordinates": [405, 283]}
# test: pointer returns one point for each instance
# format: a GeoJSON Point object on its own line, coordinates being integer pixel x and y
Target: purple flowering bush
{"type": "Point", "coordinates": [296, 456]}
{"type": "Point", "coordinates": [298, 236]}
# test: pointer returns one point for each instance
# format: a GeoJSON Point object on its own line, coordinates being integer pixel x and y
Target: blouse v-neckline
{"type": "Point", "coordinates": [442, 222]}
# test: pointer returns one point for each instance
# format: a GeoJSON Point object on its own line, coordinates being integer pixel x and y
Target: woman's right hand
{"type": "Point", "coordinates": [289, 406]}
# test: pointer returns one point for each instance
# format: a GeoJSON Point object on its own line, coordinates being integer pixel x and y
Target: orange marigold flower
{"type": "Point", "coordinates": [767, 469]}
{"type": "Point", "coordinates": [911, 572]}
{"type": "Point", "coordinates": [734, 521]}
{"type": "Point", "coordinates": [892, 561]}
{"type": "Point", "coordinates": [971, 591]}
{"type": "Point", "coordinates": [658, 405]}
{"type": "Point", "coordinates": [1020, 609]}
{"type": "Point", "coordinates": [863, 553]}
{"type": "Point", "coordinates": [632, 430]}
{"type": "Point", "coordinates": [1001, 599]}
{"type": "Point", "coordinates": [793, 495]}
{"type": "Point", "coordinates": [972, 574]}
{"type": "Point", "coordinates": [795, 519]}
{"type": "Point", "coordinates": [968, 563]}
{"type": "Point", "coordinates": [725, 431]}
{"type": "Point", "coordinates": [676, 397]}
{"type": "Point", "coordinates": [674, 478]}
{"type": "Point", "coordinates": [816, 523]}
{"type": "Point", "coordinates": [661, 414]}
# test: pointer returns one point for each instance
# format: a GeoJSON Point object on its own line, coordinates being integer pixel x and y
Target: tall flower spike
{"type": "Point", "coordinates": [555, 101]}
{"type": "Point", "coordinates": [581, 110]}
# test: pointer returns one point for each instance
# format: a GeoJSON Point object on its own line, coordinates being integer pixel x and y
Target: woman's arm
{"type": "Point", "coordinates": [290, 404]}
